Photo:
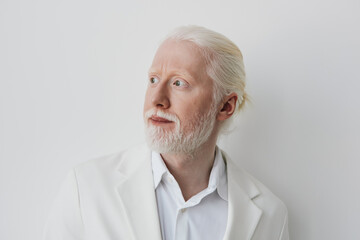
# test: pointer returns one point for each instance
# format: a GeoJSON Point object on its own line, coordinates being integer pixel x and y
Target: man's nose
{"type": "Point", "coordinates": [160, 97]}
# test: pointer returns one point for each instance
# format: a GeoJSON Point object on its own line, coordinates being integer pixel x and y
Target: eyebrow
{"type": "Point", "coordinates": [185, 74]}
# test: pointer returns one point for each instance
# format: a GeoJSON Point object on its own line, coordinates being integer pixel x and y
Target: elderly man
{"type": "Point", "coordinates": [181, 185]}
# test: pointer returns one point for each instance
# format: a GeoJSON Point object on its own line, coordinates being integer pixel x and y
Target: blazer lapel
{"type": "Point", "coordinates": [243, 214]}
{"type": "Point", "coordinates": [137, 194]}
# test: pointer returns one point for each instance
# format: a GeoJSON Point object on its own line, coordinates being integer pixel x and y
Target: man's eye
{"type": "Point", "coordinates": [179, 83]}
{"type": "Point", "coordinates": [154, 80]}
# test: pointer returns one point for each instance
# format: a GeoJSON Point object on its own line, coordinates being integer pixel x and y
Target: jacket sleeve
{"type": "Point", "coordinates": [284, 235]}
{"type": "Point", "coordinates": [65, 221]}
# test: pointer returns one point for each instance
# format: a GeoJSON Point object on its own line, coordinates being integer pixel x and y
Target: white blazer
{"type": "Point", "coordinates": [113, 198]}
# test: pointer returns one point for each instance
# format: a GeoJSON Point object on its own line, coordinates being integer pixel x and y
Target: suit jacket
{"type": "Point", "coordinates": [113, 198]}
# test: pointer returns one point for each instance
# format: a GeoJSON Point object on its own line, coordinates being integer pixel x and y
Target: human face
{"type": "Point", "coordinates": [179, 113]}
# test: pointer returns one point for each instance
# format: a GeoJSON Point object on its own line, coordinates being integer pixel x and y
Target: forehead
{"type": "Point", "coordinates": [183, 56]}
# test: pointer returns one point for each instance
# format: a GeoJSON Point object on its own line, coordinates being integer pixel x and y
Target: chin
{"type": "Point", "coordinates": [171, 143]}
{"type": "Point", "coordinates": [160, 143]}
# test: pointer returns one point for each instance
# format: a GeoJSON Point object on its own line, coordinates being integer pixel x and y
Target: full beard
{"type": "Point", "coordinates": [181, 139]}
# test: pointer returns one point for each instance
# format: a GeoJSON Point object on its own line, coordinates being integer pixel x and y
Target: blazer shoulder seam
{"type": "Point", "coordinates": [284, 224]}
{"type": "Point", "coordinates": [78, 196]}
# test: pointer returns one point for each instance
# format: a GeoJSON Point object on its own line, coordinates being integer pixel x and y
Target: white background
{"type": "Point", "coordinates": [72, 83]}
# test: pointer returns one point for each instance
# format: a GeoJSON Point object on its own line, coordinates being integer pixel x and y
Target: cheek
{"type": "Point", "coordinates": [201, 103]}
{"type": "Point", "coordinates": [189, 110]}
{"type": "Point", "coordinates": [146, 101]}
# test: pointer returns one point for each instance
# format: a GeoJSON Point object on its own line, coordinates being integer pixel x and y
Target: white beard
{"type": "Point", "coordinates": [198, 130]}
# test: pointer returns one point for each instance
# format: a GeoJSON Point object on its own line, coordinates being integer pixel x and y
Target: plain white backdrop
{"type": "Point", "coordinates": [73, 76]}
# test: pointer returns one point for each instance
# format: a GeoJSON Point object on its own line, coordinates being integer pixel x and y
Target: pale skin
{"type": "Point", "coordinates": [178, 84]}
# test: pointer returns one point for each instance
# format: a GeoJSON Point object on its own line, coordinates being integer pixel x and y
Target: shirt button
{"type": "Point", "coordinates": [183, 210]}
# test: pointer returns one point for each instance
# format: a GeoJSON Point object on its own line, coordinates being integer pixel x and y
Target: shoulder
{"type": "Point", "coordinates": [272, 206]}
{"type": "Point", "coordinates": [255, 189]}
{"type": "Point", "coordinates": [108, 166]}
{"type": "Point", "coordinates": [274, 219]}
{"type": "Point", "coordinates": [274, 212]}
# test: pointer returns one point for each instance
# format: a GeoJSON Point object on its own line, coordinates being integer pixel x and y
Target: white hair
{"type": "Point", "coordinates": [224, 62]}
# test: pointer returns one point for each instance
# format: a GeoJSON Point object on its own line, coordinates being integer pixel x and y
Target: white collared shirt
{"type": "Point", "coordinates": [203, 216]}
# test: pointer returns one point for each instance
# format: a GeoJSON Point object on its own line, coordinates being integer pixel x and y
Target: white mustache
{"type": "Point", "coordinates": [159, 113]}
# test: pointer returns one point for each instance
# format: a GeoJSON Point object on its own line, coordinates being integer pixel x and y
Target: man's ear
{"type": "Point", "coordinates": [228, 107]}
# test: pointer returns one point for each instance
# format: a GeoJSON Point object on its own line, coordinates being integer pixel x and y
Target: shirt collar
{"type": "Point", "coordinates": [218, 176]}
{"type": "Point", "coordinates": [158, 167]}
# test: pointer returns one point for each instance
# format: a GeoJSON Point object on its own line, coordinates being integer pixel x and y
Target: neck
{"type": "Point", "coordinates": [192, 171]}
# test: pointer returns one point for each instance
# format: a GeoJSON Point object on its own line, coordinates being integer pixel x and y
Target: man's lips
{"type": "Point", "coordinates": [160, 119]}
